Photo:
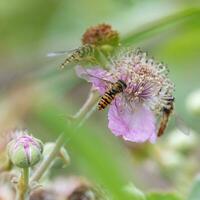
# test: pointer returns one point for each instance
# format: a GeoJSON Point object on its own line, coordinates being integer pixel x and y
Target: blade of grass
{"type": "Point", "coordinates": [159, 25]}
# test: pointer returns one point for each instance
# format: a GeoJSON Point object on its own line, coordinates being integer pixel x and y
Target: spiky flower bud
{"type": "Point", "coordinates": [25, 151]}
{"type": "Point", "coordinates": [101, 35]}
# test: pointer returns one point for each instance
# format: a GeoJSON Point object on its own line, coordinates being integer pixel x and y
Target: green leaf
{"type": "Point", "coordinates": [195, 190]}
{"type": "Point", "coordinates": [162, 196]}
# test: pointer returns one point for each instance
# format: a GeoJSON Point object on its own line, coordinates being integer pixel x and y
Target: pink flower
{"type": "Point", "coordinates": [132, 114]}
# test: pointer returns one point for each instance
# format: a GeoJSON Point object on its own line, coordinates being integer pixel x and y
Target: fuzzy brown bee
{"type": "Point", "coordinates": [109, 96]}
{"type": "Point", "coordinates": [166, 112]}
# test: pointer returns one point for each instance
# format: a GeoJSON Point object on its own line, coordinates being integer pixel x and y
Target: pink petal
{"type": "Point", "coordinates": [135, 126]}
{"type": "Point", "coordinates": [98, 77]}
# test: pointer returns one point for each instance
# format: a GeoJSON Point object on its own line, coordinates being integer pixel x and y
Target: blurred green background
{"type": "Point", "coordinates": [36, 95]}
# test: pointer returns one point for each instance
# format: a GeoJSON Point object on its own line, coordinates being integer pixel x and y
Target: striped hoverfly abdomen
{"type": "Point", "coordinates": [109, 96]}
{"type": "Point", "coordinates": [78, 54]}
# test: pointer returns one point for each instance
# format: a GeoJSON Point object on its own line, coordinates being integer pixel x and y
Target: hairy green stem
{"type": "Point", "coordinates": [86, 107]}
{"type": "Point", "coordinates": [86, 116]}
{"type": "Point", "coordinates": [26, 183]}
{"type": "Point", "coordinates": [23, 185]}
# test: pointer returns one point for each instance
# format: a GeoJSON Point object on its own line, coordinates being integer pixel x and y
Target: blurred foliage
{"type": "Point", "coordinates": [158, 196]}
{"type": "Point", "coordinates": [101, 164]}
{"type": "Point", "coordinates": [36, 95]}
{"type": "Point", "coordinates": [195, 190]}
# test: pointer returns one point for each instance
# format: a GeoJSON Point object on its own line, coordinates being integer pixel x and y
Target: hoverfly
{"type": "Point", "coordinates": [107, 98]}
{"type": "Point", "coordinates": [85, 52]}
{"type": "Point", "coordinates": [119, 86]}
{"type": "Point", "coordinates": [166, 113]}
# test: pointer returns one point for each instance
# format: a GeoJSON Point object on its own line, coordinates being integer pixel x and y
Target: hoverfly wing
{"type": "Point", "coordinates": [181, 125]}
{"type": "Point", "coordinates": [59, 53]}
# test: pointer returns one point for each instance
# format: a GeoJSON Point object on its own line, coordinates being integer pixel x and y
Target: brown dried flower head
{"type": "Point", "coordinates": [74, 188]}
{"type": "Point", "coordinates": [102, 34]}
{"type": "Point", "coordinates": [44, 194]}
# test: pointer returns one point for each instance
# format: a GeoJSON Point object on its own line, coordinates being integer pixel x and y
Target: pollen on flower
{"type": "Point", "coordinates": [132, 114]}
{"type": "Point", "coordinates": [100, 35]}
{"type": "Point", "coordinates": [147, 80]}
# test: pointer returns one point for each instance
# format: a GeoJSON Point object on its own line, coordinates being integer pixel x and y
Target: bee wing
{"type": "Point", "coordinates": [181, 125]}
{"type": "Point", "coordinates": [60, 53]}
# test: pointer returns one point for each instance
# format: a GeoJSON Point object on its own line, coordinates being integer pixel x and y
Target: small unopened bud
{"type": "Point", "coordinates": [193, 102]}
{"type": "Point", "coordinates": [180, 142]}
{"type": "Point", "coordinates": [99, 35]}
{"type": "Point", "coordinates": [25, 151]}
{"type": "Point", "coordinates": [171, 159]}
{"type": "Point", "coordinates": [63, 154]}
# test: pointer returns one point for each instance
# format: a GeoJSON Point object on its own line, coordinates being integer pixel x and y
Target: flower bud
{"type": "Point", "coordinates": [172, 160]}
{"type": "Point", "coordinates": [193, 102]}
{"type": "Point", "coordinates": [25, 151]}
{"type": "Point", "coordinates": [99, 35]}
{"type": "Point", "coordinates": [63, 154]}
{"type": "Point", "coordinates": [180, 142]}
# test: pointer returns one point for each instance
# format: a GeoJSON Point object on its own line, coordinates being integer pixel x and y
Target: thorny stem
{"type": "Point", "coordinates": [83, 114]}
